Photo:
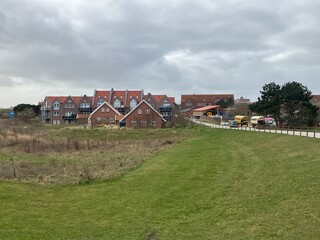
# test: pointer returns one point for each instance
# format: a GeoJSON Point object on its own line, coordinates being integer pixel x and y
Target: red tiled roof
{"type": "Point", "coordinates": [77, 99]}
{"type": "Point", "coordinates": [134, 94]}
{"type": "Point", "coordinates": [158, 98]}
{"type": "Point", "coordinates": [206, 108]}
{"type": "Point", "coordinates": [121, 95]}
{"type": "Point", "coordinates": [60, 99]}
{"type": "Point", "coordinates": [172, 99]}
{"type": "Point", "coordinates": [104, 94]}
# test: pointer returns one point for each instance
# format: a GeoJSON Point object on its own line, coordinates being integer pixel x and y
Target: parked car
{"type": "Point", "coordinates": [233, 124]}
{"type": "Point", "coordinates": [224, 123]}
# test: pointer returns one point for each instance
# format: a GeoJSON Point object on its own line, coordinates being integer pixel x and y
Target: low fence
{"type": "Point", "coordinates": [294, 132]}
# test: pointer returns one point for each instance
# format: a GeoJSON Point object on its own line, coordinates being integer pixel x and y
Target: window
{"type": "Point", "coordinates": [139, 111]}
{"type": "Point", "coordinates": [165, 105]}
{"type": "Point", "coordinates": [117, 103]}
{"type": "Point", "coordinates": [55, 113]}
{"type": "Point", "coordinates": [84, 105]}
{"type": "Point", "coordinates": [69, 105]}
{"type": "Point", "coordinates": [134, 123]}
{"type": "Point", "coordinates": [54, 122]}
{"type": "Point", "coordinates": [107, 109]}
{"type": "Point", "coordinates": [111, 120]}
{"type": "Point", "coordinates": [98, 119]}
{"type": "Point", "coordinates": [147, 111]}
{"type": "Point", "coordinates": [133, 103]}
{"type": "Point", "coordinates": [58, 122]}
{"type": "Point", "coordinates": [102, 109]}
{"type": "Point", "coordinates": [153, 123]}
{"type": "Point", "coordinates": [56, 105]}
{"type": "Point", "coordinates": [143, 123]}
{"type": "Point", "coordinates": [188, 104]}
{"type": "Point", "coordinates": [99, 102]}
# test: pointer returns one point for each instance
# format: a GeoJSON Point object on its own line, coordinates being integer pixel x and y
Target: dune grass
{"type": "Point", "coordinates": [221, 185]}
{"type": "Point", "coordinates": [64, 155]}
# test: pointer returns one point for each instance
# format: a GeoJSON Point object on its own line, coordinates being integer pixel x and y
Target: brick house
{"type": "Point", "coordinates": [64, 109]}
{"type": "Point", "coordinates": [121, 100]}
{"type": "Point", "coordinates": [105, 114]}
{"type": "Point", "coordinates": [193, 101]}
{"type": "Point", "coordinates": [143, 116]}
{"type": "Point", "coordinates": [163, 104]}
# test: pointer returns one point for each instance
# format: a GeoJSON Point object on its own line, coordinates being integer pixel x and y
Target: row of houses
{"type": "Point", "coordinates": [131, 108]}
{"type": "Point", "coordinates": [108, 107]}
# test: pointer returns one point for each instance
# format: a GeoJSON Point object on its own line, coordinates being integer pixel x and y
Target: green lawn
{"type": "Point", "coordinates": [222, 184]}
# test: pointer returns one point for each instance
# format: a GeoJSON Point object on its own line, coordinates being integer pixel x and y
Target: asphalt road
{"type": "Point", "coordinates": [311, 134]}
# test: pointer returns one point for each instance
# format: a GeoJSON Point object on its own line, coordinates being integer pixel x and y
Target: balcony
{"type": "Point", "coordinates": [47, 109]}
{"type": "Point", "coordinates": [85, 109]}
{"type": "Point", "coordinates": [121, 110]}
{"type": "Point", "coordinates": [47, 117]}
{"type": "Point", "coordinates": [69, 117]}
{"type": "Point", "coordinates": [165, 109]}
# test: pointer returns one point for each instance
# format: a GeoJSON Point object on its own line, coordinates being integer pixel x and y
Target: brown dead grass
{"type": "Point", "coordinates": [36, 156]}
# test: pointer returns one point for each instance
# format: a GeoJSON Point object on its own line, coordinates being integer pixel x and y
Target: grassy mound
{"type": "Point", "coordinates": [221, 185]}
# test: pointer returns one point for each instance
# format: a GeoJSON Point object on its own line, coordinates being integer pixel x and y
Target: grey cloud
{"type": "Point", "coordinates": [229, 46]}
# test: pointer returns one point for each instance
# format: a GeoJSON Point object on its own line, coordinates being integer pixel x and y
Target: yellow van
{"type": "Point", "coordinates": [241, 120]}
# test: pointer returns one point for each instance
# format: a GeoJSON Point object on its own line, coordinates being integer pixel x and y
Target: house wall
{"type": "Point", "coordinates": [69, 105]}
{"type": "Point", "coordinates": [104, 116]}
{"type": "Point", "coordinates": [139, 118]}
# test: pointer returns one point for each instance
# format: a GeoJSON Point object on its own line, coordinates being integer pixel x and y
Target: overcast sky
{"type": "Point", "coordinates": [173, 47]}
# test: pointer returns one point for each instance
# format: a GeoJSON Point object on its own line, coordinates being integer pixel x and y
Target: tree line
{"type": "Point", "coordinates": [288, 104]}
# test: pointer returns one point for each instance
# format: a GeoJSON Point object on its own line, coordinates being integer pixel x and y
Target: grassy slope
{"type": "Point", "coordinates": [222, 185]}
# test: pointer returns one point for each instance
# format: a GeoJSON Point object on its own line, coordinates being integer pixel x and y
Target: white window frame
{"type": "Point", "coordinates": [153, 123]}
{"type": "Point", "coordinates": [147, 111]}
{"type": "Point", "coordinates": [139, 111]}
{"type": "Point", "coordinates": [143, 123]}
{"type": "Point", "coordinates": [134, 122]}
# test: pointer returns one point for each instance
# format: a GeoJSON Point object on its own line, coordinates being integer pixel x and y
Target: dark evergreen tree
{"type": "Point", "coordinates": [290, 103]}
{"type": "Point", "coordinates": [269, 103]}
{"type": "Point", "coordinates": [21, 107]}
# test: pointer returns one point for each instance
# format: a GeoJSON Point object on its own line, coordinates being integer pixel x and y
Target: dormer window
{"type": "Point", "coordinates": [99, 102]}
{"type": "Point", "coordinates": [117, 103]}
{"type": "Point", "coordinates": [133, 103]}
{"type": "Point", "coordinates": [56, 105]}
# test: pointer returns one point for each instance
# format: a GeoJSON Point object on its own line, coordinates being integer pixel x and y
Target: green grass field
{"type": "Point", "coordinates": [222, 184]}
